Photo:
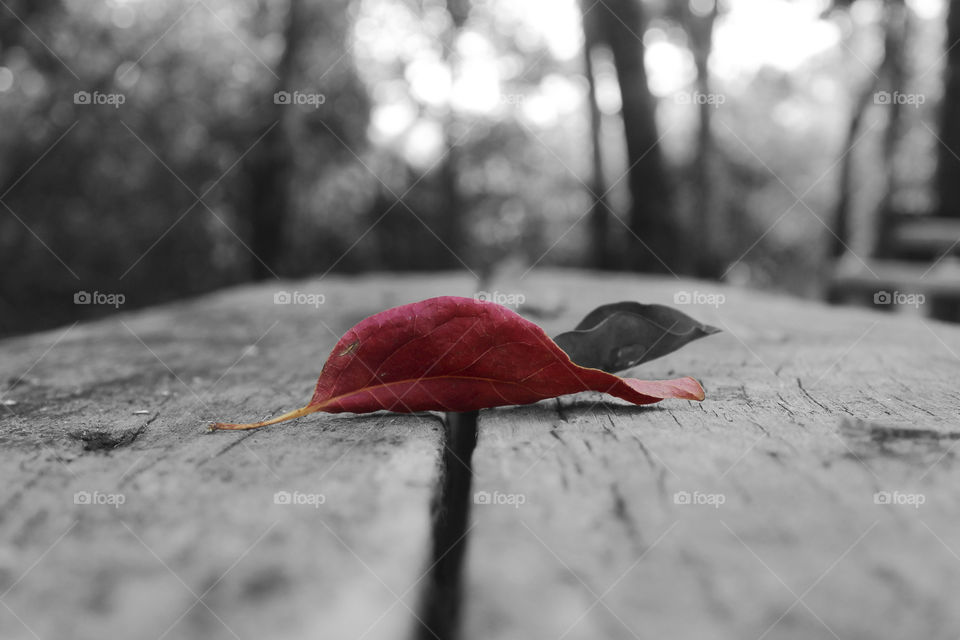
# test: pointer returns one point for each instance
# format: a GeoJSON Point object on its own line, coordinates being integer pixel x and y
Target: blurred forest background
{"type": "Point", "coordinates": [163, 149]}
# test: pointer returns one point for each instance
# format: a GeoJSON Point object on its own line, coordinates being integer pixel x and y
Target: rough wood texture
{"type": "Point", "coordinates": [811, 411]}
{"type": "Point", "coordinates": [199, 549]}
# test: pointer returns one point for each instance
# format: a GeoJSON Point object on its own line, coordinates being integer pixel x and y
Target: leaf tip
{"type": "Point", "coordinates": [696, 390]}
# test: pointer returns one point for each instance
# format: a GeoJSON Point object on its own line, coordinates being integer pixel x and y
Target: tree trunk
{"type": "Point", "coordinates": [889, 75]}
{"type": "Point", "coordinates": [600, 252]}
{"type": "Point", "coordinates": [895, 39]}
{"type": "Point", "coordinates": [654, 243]}
{"type": "Point", "coordinates": [452, 230]}
{"type": "Point", "coordinates": [708, 227]}
{"type": "Point", "coordinates": [272, 162]}
{"type": "Point", "coordinates": [841, 213]}
{"type": "Point", "coordinates": [948, 172]}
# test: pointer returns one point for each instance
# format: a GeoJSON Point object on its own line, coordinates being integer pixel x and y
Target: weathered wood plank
{"type": "Point", "coordinates": [199, 548]}
{"type": "Point", "coordinates": [811, 411]}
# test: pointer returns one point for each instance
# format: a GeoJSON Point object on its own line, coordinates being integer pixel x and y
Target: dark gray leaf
{"type": "Point", "coordinates": [614, 337]}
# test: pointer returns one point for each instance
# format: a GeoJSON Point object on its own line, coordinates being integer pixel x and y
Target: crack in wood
{"type": "Point", "coordinates": [102, 440]}
{"type": "Point", "coordinates": [442, 598]}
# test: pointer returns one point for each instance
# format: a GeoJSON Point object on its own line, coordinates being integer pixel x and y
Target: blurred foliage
{"type": "Point", "coordinates": [475, 113]}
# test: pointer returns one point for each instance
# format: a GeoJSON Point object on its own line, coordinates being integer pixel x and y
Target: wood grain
{"type": "Point", "coordinates": [811, 413]}
{"type": "Point", "coordinates": [199, 548]}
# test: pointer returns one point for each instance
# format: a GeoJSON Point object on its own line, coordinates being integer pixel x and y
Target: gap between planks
{"type": "Point", "coordinates": [439, 615]}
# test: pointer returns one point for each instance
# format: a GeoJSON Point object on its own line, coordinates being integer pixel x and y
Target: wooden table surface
{"type": "Point", "coordinates": [811, 495]}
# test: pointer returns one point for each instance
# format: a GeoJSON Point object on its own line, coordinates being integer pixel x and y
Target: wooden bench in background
{"type": "Point", "coordinates": [914, 255]}
{"type": "Point", "coordinates": [759, 513]}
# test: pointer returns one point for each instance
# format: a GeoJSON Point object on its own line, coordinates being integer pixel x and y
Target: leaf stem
{"type": "Point", "coordinates": [290, 415]}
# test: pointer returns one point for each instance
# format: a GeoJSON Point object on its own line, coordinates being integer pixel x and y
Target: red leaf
{"type": "Point", "coordinates": [458, 354]}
